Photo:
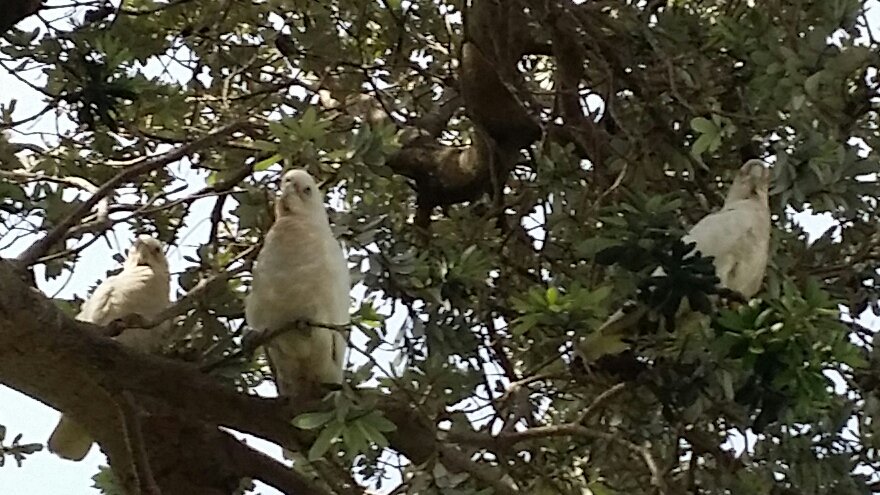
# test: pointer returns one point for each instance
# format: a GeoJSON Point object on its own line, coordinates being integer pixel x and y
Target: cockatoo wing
{"type": "Point", "coordinates": [134, 291]}
{"type": "Point", "coordinates": [301, 274]}
{"type": "Point", "coordinates": [738, 238]}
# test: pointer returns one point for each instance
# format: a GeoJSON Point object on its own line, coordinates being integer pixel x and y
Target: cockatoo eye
{"type": "Point", "coordinates": [307, 191]}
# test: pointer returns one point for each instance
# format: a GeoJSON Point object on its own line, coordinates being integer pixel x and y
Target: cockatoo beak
{"type": "Point", "coordinates": [756, 174]}
{"type": "Point", "coordinates": [141, 249]}
{"type": "Point", "coordinates": [303, 191]}
{"type": "Point", "coordinates": [289, 189]}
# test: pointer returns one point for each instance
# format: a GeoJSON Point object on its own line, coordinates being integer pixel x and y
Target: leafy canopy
{"type": "Point", "coordinates": [505, 175]}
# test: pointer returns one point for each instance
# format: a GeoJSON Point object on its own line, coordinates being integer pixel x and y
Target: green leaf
{"type": "Point", "coordinates": [378, 421]}
{"type": "Point", "coordinates": [264, 145]}
{"type": "Point", "coordinates": [325, 439]}
{"type": "Point", "coordinates": [588, 248]}
{"type": "Point", "coordinates": [597, 488]}
{"type": "Point", "coordinates": [279, 130]}
{"type": "Point", "coordinates": [309, 127]}
{"type": "Point", "coordinates": [523, 324]}
{"type": "Point", "coordinates": [595, 297]}
{"type": "Point", "coordinates": [310, 421]}
{"type": "Point", "coordinates": [268, 162]}
{"type": "Point", "coordinates": [354, 438]}
{"type": "Point", "coordinates": [552, 295]}
{"type": "Point", "coordinates": [373, 435]}
{"type": "Point", "coordinates": [702, 144]}
{"type": "Point", "coordinates": [811, 85]}
{"type": "Point", "coordinates": [105, 481]}
{"type": "Point", "coordinates": [596, 345]}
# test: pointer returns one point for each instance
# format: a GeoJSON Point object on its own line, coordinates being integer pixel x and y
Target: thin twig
{"type": "Point", "coordinates": [259, 339]}
{"type": "Point", "coordinates": [135, 168]}
{"type": "Point", "coordinates": [564, 430]}
{"type": "Point", "coordinates": [601, 399]}
{"type": "Point", "coordinates": [186, 302]}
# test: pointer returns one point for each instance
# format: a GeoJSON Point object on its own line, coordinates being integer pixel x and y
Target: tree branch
{"type": "Point", "coordinates": [134, 169]}
{"type": "Point", "coordinates": [457, 461]}
{"type": "Point", "coordinates": [258, 465]}
{"type": "Point", "coordinates": [88, 370]}
{"type": "Point", "coordinates": [564, 430]}
{"type": "Point", "coordinates": [14, 11]}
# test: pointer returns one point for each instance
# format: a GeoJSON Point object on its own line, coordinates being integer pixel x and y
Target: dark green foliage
{"type": "Point", "coordinates": [494, 288]}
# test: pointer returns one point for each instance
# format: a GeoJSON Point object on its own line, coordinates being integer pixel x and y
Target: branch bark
{"type": "Point", "coordinates": [14, 11]}
{"type": "Point", "coordinates": [489, 87]}
{"type": "Point", "coordinates": [185, 449]}
{"type": "Point", "coordinates": [503, 125]}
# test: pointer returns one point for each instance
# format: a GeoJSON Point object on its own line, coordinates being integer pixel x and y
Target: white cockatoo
{"type": "Point", "coordinates": [301, 274]}
{"type": "Point", "coordinates": [737, 237]}
{"type": "Point", "coordinates": [139, 291]}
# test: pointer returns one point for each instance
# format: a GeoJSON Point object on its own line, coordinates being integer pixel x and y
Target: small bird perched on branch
{"type": "Point", "coordinates": [737, 237]}
{"type": "Point", "coordinates": [301, 275]}
{"type": "Point", "coordinates": [139, 291]}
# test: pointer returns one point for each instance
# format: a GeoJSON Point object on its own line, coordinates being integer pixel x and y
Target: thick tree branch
{"type": "Point", "coordinates": [589, 137]}
{"type": "Point", "coordinates": [260, 466]}
{"type": "Point", "coordinates": [490, 90]}
{"type": "Point", "coordinates": [14, 11]}
{"type": "Point", "coordinates": [434, 123]}
{"type": "Point", "coordinates": [133, 428]}
{"type": "Point", "coordinates": [88, 371]}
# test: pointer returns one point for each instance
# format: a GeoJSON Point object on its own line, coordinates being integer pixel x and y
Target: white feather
{"type": "Point", "coordinates": [301, 274]}
{"type": "Point", "coordinates": [141, 288]}
{"type": "Point", "coordinates": [738, 235]}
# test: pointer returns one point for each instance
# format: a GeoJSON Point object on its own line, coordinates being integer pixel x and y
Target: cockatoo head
{"type": "Point", "coordinates": [147, 251]}
{"type": "Point", "coordinates": [752, 181]}
{"type": "Point", "coordinates": [299, 195]}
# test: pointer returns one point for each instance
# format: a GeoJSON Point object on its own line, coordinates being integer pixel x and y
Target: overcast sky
{"type": "Point", "coordinates": [43, 473]}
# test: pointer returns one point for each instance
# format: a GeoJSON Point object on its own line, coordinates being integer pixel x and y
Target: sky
{"type": "Point", "coordinates": [43, 473]}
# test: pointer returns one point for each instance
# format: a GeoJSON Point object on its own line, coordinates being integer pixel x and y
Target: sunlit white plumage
{"type": "Point", "coordinates": [301, 275]}
{"type": "Point", "coordinates": [141, 290]}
